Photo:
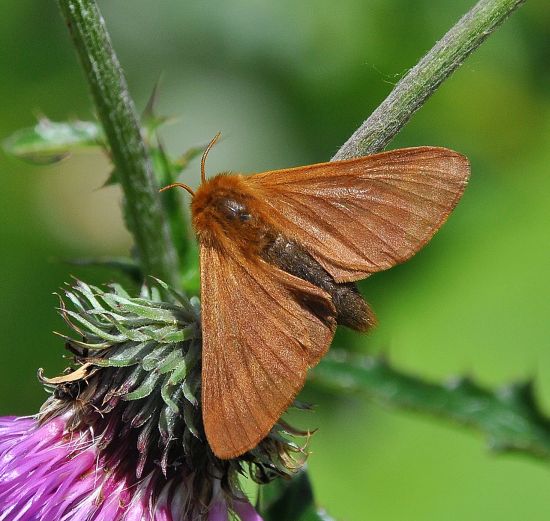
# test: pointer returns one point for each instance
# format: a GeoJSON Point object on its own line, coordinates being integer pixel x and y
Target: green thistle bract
{"type": "Point", "coordinates": [135, 381]}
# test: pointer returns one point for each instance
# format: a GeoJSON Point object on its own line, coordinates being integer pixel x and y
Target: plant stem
{"type": "Point", "coordinates": [144, 212]}
{"type": "Point", "coordinates": [509, 417]}
{"type": "Point", "coordinates": [423, 79]}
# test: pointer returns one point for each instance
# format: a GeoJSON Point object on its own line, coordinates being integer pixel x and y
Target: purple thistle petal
{"type": "Point", "coordinates": [245, 511]}
{"type": "Point", "coordinates": [50, 474]}
{"type": "Point", "coordinates": [218, 511]}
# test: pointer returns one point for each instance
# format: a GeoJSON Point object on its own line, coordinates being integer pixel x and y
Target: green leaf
{"type": "Point", "coordinates": [190, 279]}
{"type": "Point", "coordinates": [183, 161]}
{"type": "Point", "coordinates": [48, 141]}
{"type": "Point", "coordinates": [130, 306]}
{"type": "Point", "coordinates": [144, 389]}
{"type": "Point", "coordinates": [510, 417]}
{"type": "Point", "coordinates": [125, 265]}
{"type": "Point", "coordinates": [150, 120]}
{"type": "Point", "coordinates": [291, 500]}
{"type": "Point", "coordinates": [112, 180]}
{"type": "Point", "coordinates": [166, 172]}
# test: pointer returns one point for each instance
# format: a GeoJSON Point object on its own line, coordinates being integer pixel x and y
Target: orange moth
{"type": "Point", "coordinates": [279, 254]}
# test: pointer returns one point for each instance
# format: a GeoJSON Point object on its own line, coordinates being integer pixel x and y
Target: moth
{"type": "Point", "coordinates": [280, 252]}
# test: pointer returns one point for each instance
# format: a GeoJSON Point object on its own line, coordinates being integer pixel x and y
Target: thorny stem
{"type": "Point", "coordinates": [144, 212]}
{"type": "Point", "coordinates": [509, 417]}
{"type": "Point", "coordinates": [425, 77]}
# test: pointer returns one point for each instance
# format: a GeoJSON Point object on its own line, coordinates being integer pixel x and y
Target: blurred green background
{"type": "Point", "coordinates": [287, 82]}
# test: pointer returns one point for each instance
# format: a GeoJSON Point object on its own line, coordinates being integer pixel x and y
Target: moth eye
{"type": "Point", "coordinates": [233, 210]}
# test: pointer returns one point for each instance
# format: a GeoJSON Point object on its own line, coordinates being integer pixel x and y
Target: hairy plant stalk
{"type": "Point", "coordinates": [144, 212]}
{"type": "Point", "coordinates": [425, 77]}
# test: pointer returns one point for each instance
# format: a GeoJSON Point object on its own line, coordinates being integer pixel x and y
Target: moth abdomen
{"type": "Point", "coordinates": [351, 308]}
{"type": "Point", "coordinates": [353, 311]}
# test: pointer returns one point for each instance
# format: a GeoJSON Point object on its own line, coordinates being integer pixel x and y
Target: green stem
{"type": "Point", "coordinates": [422, 80]}
{"type": "Point", "coordinates": [509, 417]}
{"type": "Point", "coordinates": [144, 213]}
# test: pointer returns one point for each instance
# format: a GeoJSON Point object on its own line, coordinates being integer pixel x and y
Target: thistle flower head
{"type": "Point", "coordinates": [121, 435]}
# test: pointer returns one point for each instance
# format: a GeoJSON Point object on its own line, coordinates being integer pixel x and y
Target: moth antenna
{"type": "Point", "coordinates": [179, 185]}
{"type": "Point", "coordinates": [205, 154]}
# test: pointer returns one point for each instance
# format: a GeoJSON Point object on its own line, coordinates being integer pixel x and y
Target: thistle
{"type": "Point", "coordinates": [121, 435]}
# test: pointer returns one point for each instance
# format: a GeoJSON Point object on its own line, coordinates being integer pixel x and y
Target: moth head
{"type": "Point", "coordinates": [224, 208]}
